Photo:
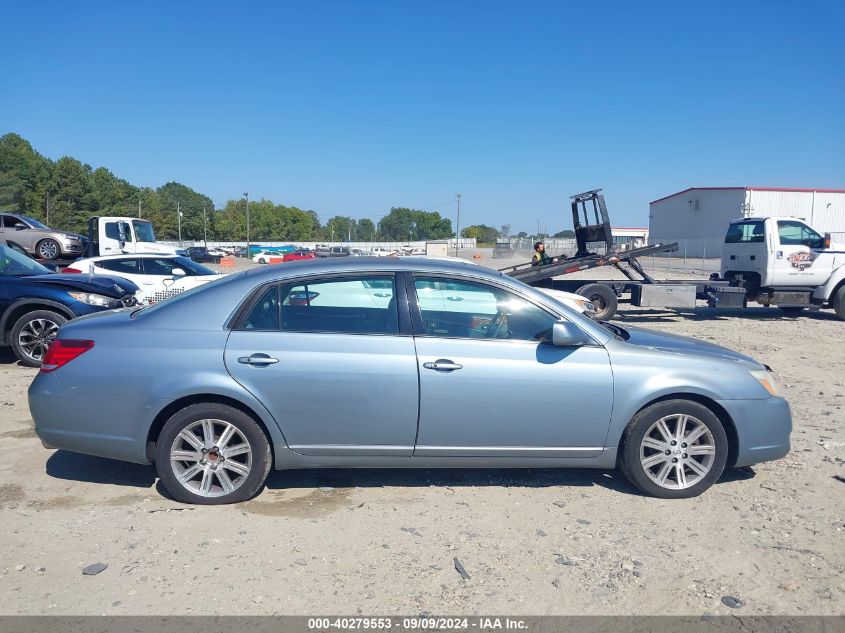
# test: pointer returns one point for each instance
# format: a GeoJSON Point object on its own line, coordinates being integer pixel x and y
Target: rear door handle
{"type": "Point", "coordinates": [257, 360]}
{"type": "Point", "coordinates": [443, 364]}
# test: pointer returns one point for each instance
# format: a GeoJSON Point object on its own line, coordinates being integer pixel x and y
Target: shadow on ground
{"type": "Point", "coordinates": [73, 466]}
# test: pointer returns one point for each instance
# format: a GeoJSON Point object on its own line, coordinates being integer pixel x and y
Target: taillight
{"type": "Point", "coordinates": [62, 351]}
{"type": "Point", "coordinates": [70, 270]}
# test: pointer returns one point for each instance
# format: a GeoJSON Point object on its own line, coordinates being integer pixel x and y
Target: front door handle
{"type": "Point", "coordinates": [257, 360]}
{"type": "Point", "coordinates": [443, 364]}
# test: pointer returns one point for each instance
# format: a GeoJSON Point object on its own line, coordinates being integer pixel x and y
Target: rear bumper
{"type": "Point", "coordinates": [762, 427]}
{"type": "Point", "coordinates": [64, 420]}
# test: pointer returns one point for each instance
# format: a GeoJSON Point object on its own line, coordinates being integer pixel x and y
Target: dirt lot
{"type": "Point", "coordinates": [532, 542]}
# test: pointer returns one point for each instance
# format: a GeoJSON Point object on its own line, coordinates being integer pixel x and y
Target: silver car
{"type": "Point", "coordinates": [396, 363]}
{"type": "Point", "coordinates": [38, 239]}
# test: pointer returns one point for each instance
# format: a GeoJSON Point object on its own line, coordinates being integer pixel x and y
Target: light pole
{"type": "Point", "coordinates": [458, 232]}
{"type": "Point", "coordinates": [204, 226]}
{"type": "Point", "coordinates": [246, 195]}
{"type": "Point", "coordinates": [179, 219]}
{"type": "Point", "coordinates": [538, 228]}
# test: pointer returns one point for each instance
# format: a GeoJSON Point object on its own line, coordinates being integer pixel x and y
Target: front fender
{"type": "Point", "coordinates": [825, 292]}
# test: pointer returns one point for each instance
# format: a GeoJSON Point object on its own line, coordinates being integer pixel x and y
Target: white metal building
{"type": "Point", "coordinates": [698, 217]}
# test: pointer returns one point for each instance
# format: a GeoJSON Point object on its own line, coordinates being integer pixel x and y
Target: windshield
{"type": "Point", "coordinates": [143, 231]}
{"type": "Point", "coordinates": [192, 267]}
{"type": "Point", "coordinates": [35, 223]}
{"type": "Point", "coordinates": [15, 264]}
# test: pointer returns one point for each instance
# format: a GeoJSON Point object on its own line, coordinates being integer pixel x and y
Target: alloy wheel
{"type": "Point", "coordinates": [677, 451]}
{"type": "Point", "coordinates": [48, 249]}
{"type": "Point", "coordinates": [35, 337]}
{"type": "Point", "coordinates": [211, 458]}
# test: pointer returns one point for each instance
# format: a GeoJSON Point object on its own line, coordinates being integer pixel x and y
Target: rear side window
{"type": "Point", "coordinates": [347, 305]}
{"type": "Point", "coordinates": [264, 315]}
{"type": "Point", "coordinates": [791, 233]}
{"type": "Point", "coordinates": [128, 266]}
{"type": "Point", "coordinates": [746, 232]}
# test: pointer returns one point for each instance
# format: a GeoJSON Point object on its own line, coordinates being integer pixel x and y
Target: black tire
{"type": "Point", "coordinates": [630, 460]}
{"type": "Point", "coordinates": [838, 303]}
{"type": "Point", "coordinates": [248, 431]}
{"type": "Point", "coordinates": [38, 326]}
{"type": "Point", "coordinates": [791, 311]}
{"type": "Point", "coordinates": [603, 298]}
{"type": "Point", "coordinates": [261, 260]}
{"type": "Point", "coordinates": [48, 249]}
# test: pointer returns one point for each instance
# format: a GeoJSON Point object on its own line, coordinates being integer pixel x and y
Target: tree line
{"type": "Point", "coordinates": [64, 193]}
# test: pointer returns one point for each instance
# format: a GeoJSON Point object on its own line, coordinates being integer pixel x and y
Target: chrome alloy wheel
{"type": "Point", "coordinates": [211, 458]}
{"type": "Point", "coordinates": [677, 451]}
{"type": "Point", "coordinates": [35, 337]}
{"type": "Point", "coordinates": [48, 249]}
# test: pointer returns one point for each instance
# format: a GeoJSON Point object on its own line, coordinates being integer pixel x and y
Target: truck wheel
{"type": "Point", "coordinates": [839, 303]}
{"type": "Point", "coordinates": [674, 449]}
{"type": "Point", "coordinates": [48, 249]}
{"type": "Point", "coordinates": [791, 311]}
{"type": "Point", "coordinates": [32, 334]}
{"type": "Point", "coordinates": [603, 298]}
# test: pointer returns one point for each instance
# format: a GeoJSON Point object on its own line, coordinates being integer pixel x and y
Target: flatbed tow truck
{"type": "Point", "coordinates": [753, 268]}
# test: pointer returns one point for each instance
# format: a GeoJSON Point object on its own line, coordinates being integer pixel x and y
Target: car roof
{"type": "Point", "coordinates": [374, 264]}
{"type": "Point", "coordinates": [119, 255]}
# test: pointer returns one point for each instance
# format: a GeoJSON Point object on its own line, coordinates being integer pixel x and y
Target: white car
{"type": "Point", "coordinates": [380, 251]}
{"type": "Point", "coordinates": [158, 276]}
{"type": "Point", "coordinates": [263, 257]}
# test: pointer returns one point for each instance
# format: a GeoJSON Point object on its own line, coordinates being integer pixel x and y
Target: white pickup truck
{"type": "Point", "coordinates": [784, 262]}
{"type": "Point", "coordinates": [114, 235]}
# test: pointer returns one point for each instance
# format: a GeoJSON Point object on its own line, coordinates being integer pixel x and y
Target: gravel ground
{"type": "Point", "coordinates": [368, 541]}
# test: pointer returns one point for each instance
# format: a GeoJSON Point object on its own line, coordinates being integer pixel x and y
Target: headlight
{"type": "Point", "coordinates": [70, 237]}
{"type": "Point", "coordinates": [765, 379]}
{"type": "Point", "coordinates": [93, 299]}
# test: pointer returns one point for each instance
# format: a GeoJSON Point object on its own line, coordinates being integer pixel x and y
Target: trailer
{"type": "Point", "coordinates": [739, 285]}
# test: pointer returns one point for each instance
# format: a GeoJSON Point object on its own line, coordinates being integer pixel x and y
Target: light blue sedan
{"type": "Point", "coordinates": [411, 363]}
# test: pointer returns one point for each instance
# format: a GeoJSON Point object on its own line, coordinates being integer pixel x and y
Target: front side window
{"type": "Point", "coordinates": [746, 232]}
{"type": "Point", "coordinates": [349, 305]}
{"type": "Point", "coordinates": [791, 233]}
{"type": "Point", "coordinates": [467, 309]}
{"type": "Point", "coordinates": [112, 231]}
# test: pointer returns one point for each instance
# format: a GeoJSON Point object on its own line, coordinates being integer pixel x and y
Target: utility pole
{"type": "Point", "coordinates": [538, 228]}
{"type": "Point", "coordinates": [204, 226]}
{"type": "Point", "coordinates": [246, 195]}
{"type": "Point", "coordinates": [48, 209]}
{"type": "Point", "coordinates": [458, 232]}
{"type": "Point", "coordinates": [139, 208]}
{"type": "Point", "coordinates": [179, 217]}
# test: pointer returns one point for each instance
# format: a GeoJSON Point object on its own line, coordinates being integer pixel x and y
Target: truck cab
{"type": "Point", "coordinates": [113, 235]}
{"type": "Point", "coordinates": [776, 256]}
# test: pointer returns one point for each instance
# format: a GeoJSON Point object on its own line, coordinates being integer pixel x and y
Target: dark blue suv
{"type": "Point", "coordinates": [35, 301]}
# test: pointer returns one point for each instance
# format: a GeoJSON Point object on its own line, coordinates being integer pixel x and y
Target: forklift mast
{"type": "Point", "coordinates": [590, 205]}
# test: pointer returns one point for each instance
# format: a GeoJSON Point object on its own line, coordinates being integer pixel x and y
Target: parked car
{"type": "Point", "coordinates": [38, 239]}
{"type": "Point", "coordinates": [35, 302]}
{"type": "Point", "coordinates": [380, 251]}
{"type": "Point", "coordinates": [239, 251]}
{"type": "Point", "coordinates": [502, 250]}
{"type": "Point", "coordinates": [158, 276]}
{"type": "Point", "coordinates": [263, 257]}
{"type": "Point", "coordinates": [201, 255]}
{"type": "Point", "coordinates": [298, 255]}
{"type": "Point", "coordinates": [229, 381]}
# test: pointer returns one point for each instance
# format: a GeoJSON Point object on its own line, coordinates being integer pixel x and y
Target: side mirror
{"type": "Point", "coordinates": [21, 227]}
{"type": "Point", "coordinates": [826, 242]}
{"type": "Point", "coordinates": [566, 334]}
{"type": "Point", "coordinates": [178, 272]}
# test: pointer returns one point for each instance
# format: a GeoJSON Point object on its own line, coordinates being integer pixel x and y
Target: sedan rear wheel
{"type": "Point", "coordinates": [674, 449]}
{"type": "Point", "coordinates": [212, 454]}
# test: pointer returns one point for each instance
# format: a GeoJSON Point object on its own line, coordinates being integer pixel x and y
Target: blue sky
{"type": "Point", "coordinates": [352, 107]}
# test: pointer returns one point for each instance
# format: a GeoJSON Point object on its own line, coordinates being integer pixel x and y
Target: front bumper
{"type": "Point", "coordinates": [762, 427]}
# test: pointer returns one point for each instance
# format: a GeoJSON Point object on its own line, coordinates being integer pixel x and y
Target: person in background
{"type": "Point", "coordinates": [540, 257]}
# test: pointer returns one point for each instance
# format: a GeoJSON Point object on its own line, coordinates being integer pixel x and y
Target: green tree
{"type": "Point", "coordinates": [565, 233]}
{"type": "Point", "coordinates": [482, 233]}
{"type": "Point", "coordinates": [403, 224]}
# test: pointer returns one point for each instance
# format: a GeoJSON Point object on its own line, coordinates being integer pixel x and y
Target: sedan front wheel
{"type": "Point", "coordinates": [212, 454]}
{"type": "Point", "coordinates": [674, 449]}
